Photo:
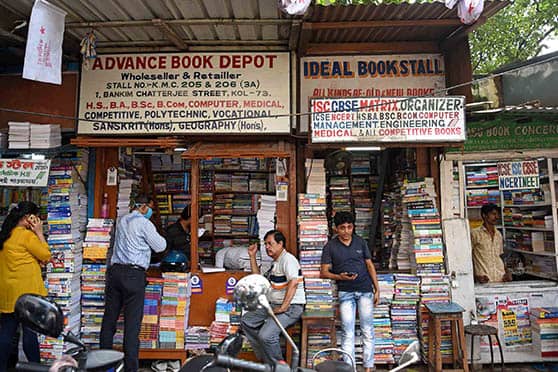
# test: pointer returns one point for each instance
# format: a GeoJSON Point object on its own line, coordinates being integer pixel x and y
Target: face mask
{"type": "Point", "coordinates": [149, 213]}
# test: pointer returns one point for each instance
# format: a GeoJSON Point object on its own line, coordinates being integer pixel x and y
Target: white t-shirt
{"type": "Point", "coordinates": [283, 270]}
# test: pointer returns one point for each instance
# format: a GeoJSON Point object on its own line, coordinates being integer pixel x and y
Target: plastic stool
{"type": "Point", "coordinates": [484, 330]}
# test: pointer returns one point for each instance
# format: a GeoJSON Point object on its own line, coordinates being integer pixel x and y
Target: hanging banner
{"type": "Point", "coordinates": [517, 175]}
{"type": "Point", "coordinates": [397, 119]}
{"type": "Point", "coordinates": [401, 75]}
{"type": "Point", "coordinates": [186, 93]}
{"type": "Point", "coordinates": [24, 173]}
{"type": "Point", "coordinates": [43, 51]}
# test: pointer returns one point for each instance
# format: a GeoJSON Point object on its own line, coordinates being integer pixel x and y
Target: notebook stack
{"type": "Point", "coordinates": [266, 222]}
{"type": "Point", "coordinates": [227, 320]}
{"type": "Point", "coordinates": [95, 249]}
{"type": "Point", "coordinates": [45, 136]}
{"type": "Point", "coordinates": [312, 232]}
{"type": "Point", "coordinates": [384, 347]}
{"type": "Point", "coordinates": [362, 197]}
{"type": "Point", "coordinates": [545, 330]}
{"type": "Point", "coordinates": [197, 338]}
{"type": "Point", "coordinates": [340, 194]}
{"type": "Point", "coordinates": [175, 305]}
{"type": "Point", "coordinates": [316, 177]}
{"type": "Point", "coordinates": [18, 135]}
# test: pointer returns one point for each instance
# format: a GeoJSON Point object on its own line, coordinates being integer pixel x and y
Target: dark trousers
{"type": "Point", "coordinates": [8, 329]}
{"type": "Point", "coordinates": [125, 288]}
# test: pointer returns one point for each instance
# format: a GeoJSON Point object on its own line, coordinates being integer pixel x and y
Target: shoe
{"type": "Point", "coordinates": [159, 366]}
{"type": "Point", "coordinates": [173, 366]}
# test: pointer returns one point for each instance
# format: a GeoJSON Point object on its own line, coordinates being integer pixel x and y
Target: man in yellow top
{"type": "Point", "coordinates": [488, 246]}
{"type": "Point", "coordinates": [22, 249]}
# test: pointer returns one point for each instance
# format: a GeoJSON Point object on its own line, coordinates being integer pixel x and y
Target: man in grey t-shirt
{"type": "Point", "coordinates": [286, 297]}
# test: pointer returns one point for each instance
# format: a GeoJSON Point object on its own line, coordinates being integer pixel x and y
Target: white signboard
{"type": "Point", "coordinates": [368, 76]}
{"type": "Point", "coordinates": [186, 93]}
{"type": "Point", "coordinates": [24, 173]}
{"type": "Point", "coordinates": [515, 175]}
{"type": "Point", "coordinates": [398, 119]}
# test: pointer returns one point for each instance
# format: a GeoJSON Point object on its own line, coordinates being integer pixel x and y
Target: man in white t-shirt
{"type": "Point", "coordinates": [286, 297]}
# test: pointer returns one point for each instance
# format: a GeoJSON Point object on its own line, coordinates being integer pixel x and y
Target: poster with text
{"type": "Point", "coordinates": [397, 119]}
{"type": "Point", "coordinates": [186, 93]}
{"type": "Point", "coordinates": [24, 173]}
{"type": "Point", "coordinates": [406, 75]}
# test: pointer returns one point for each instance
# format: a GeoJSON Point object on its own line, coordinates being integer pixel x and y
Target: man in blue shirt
{"type": "Point", "coordinates": [135, 237]}
{"type": "Point", "coordinates": [346, 258]}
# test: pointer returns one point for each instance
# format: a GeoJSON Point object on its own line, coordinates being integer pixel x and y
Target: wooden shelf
{"type": "Point", "coordinates": [164, 354]}
{"type": "Point", "coordinates": [472, 187]}
{"type": "Point", "coordinates": [547, 254]}
{"type": "Point", "coordinates": [543, 275]}
{"type": "Point", "coordinates": [534, 205]}
{"type": "Point", "coordinates": [526, 228]}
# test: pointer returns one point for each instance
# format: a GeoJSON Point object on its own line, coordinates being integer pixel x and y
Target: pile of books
{"type": "Point", "coordinates": [95, 249]}
{"type": "Point", "coordinates": [149, 332]}
{"type": "Point", "coordinates": [197, 338]}
{"type": "Point", "coordinates": [404, 312]}
{"type": "Point", "coordinates": [175, 305]}
{"type": "Point", "coordinates": [18, 135]}
{"type": "Point", "coordinates": [227, 320]}
{"type": "Point", "coordinates": [383, 352]}
{"type": "Point", "coordinates": [484, 176]}
{"type": "Point", "coordinates": [544, 322]}
{"type": "Point", "coordinates": [45, 136]}
{"type": "Point", "coordinates": [340, 194]}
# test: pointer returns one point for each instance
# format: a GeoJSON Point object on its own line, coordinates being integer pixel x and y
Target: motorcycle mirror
{"type": "Point", "coordinates": [410, 353]}
{"type": "Point", "coordinates": [248, 290]}
{"type": "Point", "coordinates": [40, 314]}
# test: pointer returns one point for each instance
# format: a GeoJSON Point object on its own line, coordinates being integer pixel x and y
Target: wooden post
{"type": "Point", "coordinates": [194, 210]}
{"type": "Point", "coordinates": [423, 162]}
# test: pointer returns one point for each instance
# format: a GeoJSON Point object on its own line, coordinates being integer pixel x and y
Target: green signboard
{"type": "Point", "coordinates": [510, 135]}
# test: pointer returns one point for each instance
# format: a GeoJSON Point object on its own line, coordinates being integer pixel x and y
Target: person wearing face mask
{"type": "Point", "coordinates": [135, 237]}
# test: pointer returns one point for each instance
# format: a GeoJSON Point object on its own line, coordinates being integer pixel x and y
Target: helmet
{"type": "Point", "coordinates": [175, 261]}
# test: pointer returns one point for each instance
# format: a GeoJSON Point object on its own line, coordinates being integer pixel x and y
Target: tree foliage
{"type": "Point", "coordinates": [516, 33]}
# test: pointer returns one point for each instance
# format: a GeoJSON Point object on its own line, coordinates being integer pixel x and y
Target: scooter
{"type": "Point", "coordinates": [251, 293]}
{"type": "Point", "coordinates": [46, 317]}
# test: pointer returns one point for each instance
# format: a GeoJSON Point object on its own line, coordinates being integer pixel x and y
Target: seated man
{"type": "Point", "coordinates": [286, 297]}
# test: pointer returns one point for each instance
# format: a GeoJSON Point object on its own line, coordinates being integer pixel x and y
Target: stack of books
{"type": "Point", "coordinates": [383, 352]}
{"type": "Point", "coordinates": [197, 338]}
{"type": "Point", "coordinates": [149, 332]}
{"type": "Point", "coordinates": [404, 312]}
{"type": "Point", "coordinates": [175, 305]}
{"type": "Point", "coordinates": [340, 194]}
{"type": "Point", "coordinates": [95, 249]}
{"type": "Point", "coordinates": [361, 194]}
{"type": "Point", "coordinates": [227, 320]}
{"type": "Point", "coordinates": [18, 135]}
{"type": "Point", "coordinates": [483, 176]}
{"type": "Point", "coordinates": [545, 330]}
{"type": "Point", "coordinates": [434, 288]}
{"type": "Point", "coordinates": [316, 177]}
{"type": "Point", "coordinates": [266, 222]}
{"type": "Point", "coordinates": [45, 136]}
{"type": "Point", "coordinates": [312, 232]}
{"type": "Point", "coordinates": [3, 139]}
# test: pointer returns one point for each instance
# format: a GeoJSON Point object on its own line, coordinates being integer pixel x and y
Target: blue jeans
{"type": "Point", "coordinates": [8, 329]}
{"type": "Point", "coordinates": [348, 303]}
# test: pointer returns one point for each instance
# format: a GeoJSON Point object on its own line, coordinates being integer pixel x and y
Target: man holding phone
{"type": "Point", "coordinates": [346, 258]}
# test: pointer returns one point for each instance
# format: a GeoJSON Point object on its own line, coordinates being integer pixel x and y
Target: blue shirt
{"type": "Point", "coordinates": [349, 259]}
{"type": "Point", "coordinates": [136, 236]}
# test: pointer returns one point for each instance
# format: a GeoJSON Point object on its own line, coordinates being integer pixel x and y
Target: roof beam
{"type": "Point", "coordinates": [462, 32]}
{"type": "Point", "coordinates": [183, 22]}
{"type": "Point", "coordinates": [170, 34]}
{"type": "Point", "coordinates": [379, 47]}
{"type": "Point", "coordinates": [382, 23]}
{"type": "Point", "coordinates": [162, 43]}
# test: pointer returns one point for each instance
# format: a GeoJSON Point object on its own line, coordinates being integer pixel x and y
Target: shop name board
{"type": "Point", "coordinates": [370, 75]}
{"type": "Point", "coordinates": [510, 135]}
{"type": "Point", "coordinates": [377, 119]}
{"type": "Point", "coordinates": [186, 93]}
{"type": "Point", "coordinates": [24, 173]}
{"type": "Point", "coordinates": [516, 175]}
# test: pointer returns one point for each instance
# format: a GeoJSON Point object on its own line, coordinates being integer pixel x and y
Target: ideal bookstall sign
{"type": "Point", "coordinates": [392, 75]}
{"type": "Point", "coordinates": [383, 119]}
{"type": "Point", "coordinates": [186, 93]}
{"type": "Point", "coordinates": [516, 175]}
{"type": "Point", "coordinates": [24, 173]}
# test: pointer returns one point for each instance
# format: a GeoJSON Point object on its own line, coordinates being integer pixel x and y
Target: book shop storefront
{"type": "Point", "coordinates": [508, 160]}
{"type": "Point", "coordinates": [374, 152]}
{"type": "Point", "coordinates": [204, 131]}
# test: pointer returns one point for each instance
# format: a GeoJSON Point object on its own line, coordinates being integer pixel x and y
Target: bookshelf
{"type": "Point", "coordinates": [230, 190]}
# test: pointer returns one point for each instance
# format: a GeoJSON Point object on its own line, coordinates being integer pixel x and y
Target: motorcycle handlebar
{"type": "Point", "coordinates": [31, 367]}
{"type": "Point", "coordinates": [230, 362]}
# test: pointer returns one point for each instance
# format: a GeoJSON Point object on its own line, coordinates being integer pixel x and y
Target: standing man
{"type": "Point", "coordinates": [488, 246]}
{"type": "Point", "coordinates": [346, 259]}
{"type": "Point", "coordinates": [286, 297]}
{"type": "Point", "coordinates": [135, 237]}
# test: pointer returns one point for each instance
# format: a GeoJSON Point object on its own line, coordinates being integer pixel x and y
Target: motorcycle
{"type": "Point", "coordinates": [46, 317]}
{"type": "Point", "coordinates": [251, 293]}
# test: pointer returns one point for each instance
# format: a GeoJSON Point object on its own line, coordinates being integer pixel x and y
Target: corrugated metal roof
{"type": "Point", "coordinates": [524, 109]}
{"type": "Point", "coordinates": [161, 25]}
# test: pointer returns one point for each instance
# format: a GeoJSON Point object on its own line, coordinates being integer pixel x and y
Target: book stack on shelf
{"type": "Point", "coordinates": [227, 320]}
{"type": "Point", "coordinates": [404, 312]}
{"type": "Point", "coordinates": [316, 177]}
{"type": "Point", "coordinates": [361, 195]}
{"type": "Point", "coordinates": [175, 305]}
{"type": "Point", "coordinates": [18, 135]}
{"type": "Point", "coordinates": [384, 347]}
{"type": "Point", "coordinates": [67, 203]}
{"type": "Point", "coordinates": [197, 338]}
{"type": "Point", "coordinates": [482, 176]}
{"type": "Point", "coordinates": [45, 136]}
{"type": "Point", "coordinates": [544, 322]}
{"type": "Point", "coordinates": [172, 162]}
{"type": "Point", "coordinates": [391, 229]}
{"type": "Point", "coordinates": [266, 222]}
{"type": "Point", "coordinates": [95, 249]}
{"type": "Point", "coordinates": [434, 288]}
{"type": "Point", "coordinates": [312, 232]}
{"type": "Point", "coordinates": [3, 139]}
{"type": "Point", "coordinates": [205, 247]}
{"type": "Point", "coordinates": [149, 331]}
{"type": "Point", "coordinates": [340, 194]}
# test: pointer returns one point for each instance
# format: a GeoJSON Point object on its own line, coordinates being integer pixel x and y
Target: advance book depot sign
{"type": "Point", "coordinates": [388, 119]}
{"type": "Point", "coordinates": [186, 93]}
